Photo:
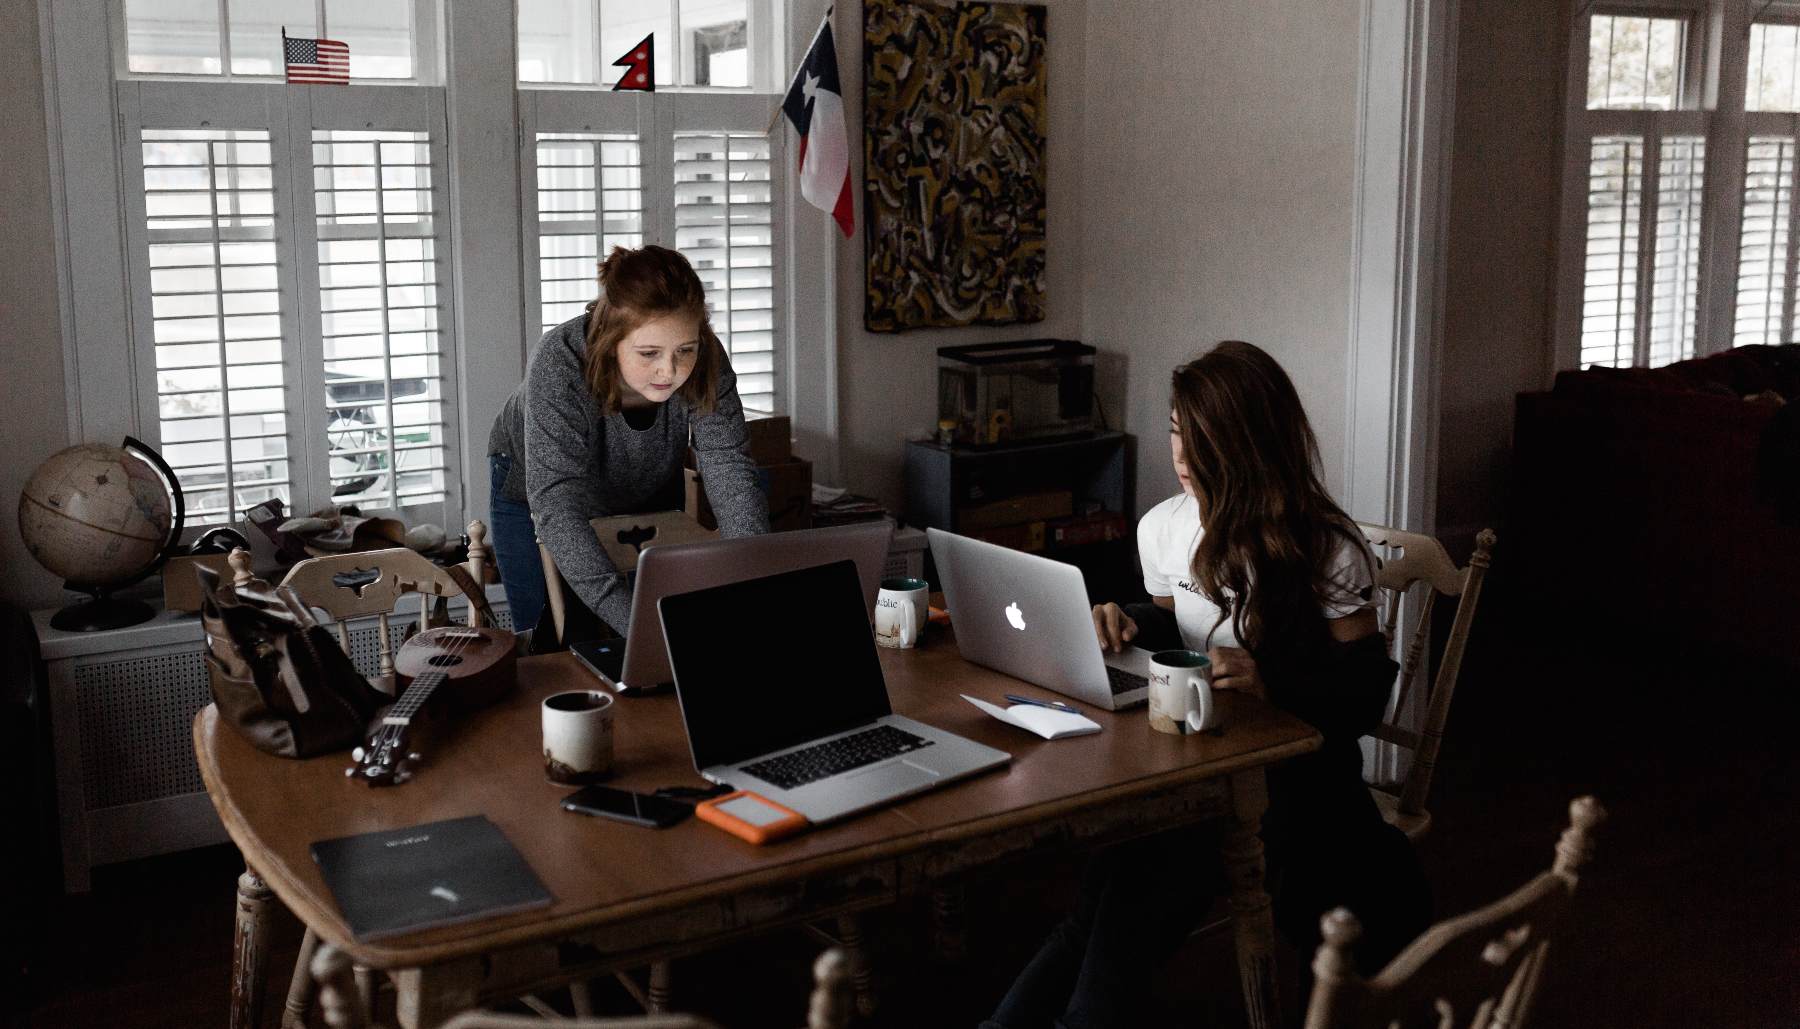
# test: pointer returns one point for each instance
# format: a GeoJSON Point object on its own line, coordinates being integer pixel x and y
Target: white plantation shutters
{"type": "Point", "coordinates": [695, 172]}
{"type": "Point", "coordinates": [1641, 271]}
{"type": "Point", "coordinates": [724, 225]}
{"type": "Point", "coordinates": [1765, 285]}
{"type": "Point", "coordinates": [288, 300]}
{"type": "Point", "coordinates": [1614, 216]}
{"type": "Point", "coordinates": [215, 315]}
{"type": "Point", "coordinates": [1675, 255]}
{"type": "Point", "coordinates": [380, 317]}
{"type": "Point", "coordinates": [589, 199]}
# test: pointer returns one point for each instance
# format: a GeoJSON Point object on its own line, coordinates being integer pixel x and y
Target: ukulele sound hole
{"type": "Point", "coordinates": [444, 660]}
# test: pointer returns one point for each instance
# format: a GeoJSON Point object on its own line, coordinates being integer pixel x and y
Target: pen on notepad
{"type": "Point", "coordinates": [1057, 704]}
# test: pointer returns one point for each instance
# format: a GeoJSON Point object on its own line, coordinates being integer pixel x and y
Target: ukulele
{"type": "Point", "coordinates": [456, 669]}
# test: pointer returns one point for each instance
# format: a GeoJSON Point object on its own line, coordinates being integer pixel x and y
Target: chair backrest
{"type": "Point", "coordinates": [1409, 560]}
{"type": "Point", "coordinates": [371, 582]}
{"type": "Point", "coordinates": [342, 1005]}
{"type": "Point", "coordinates": [1480, 970]}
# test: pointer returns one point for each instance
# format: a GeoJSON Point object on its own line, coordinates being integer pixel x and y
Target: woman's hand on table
{"type": "Point", "coordinates": [1234, 669]}
{"type": "Point", "coordinates": [1114, 627]}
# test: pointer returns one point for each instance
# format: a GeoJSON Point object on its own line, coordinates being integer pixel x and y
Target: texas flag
{"type": "Point", "coordinates": [815, 104]}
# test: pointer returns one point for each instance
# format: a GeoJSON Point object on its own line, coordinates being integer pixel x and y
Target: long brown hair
{"type": "Point", "coordinates": [1271, 529]}
{"type": "Point", "coordinates": [639, 286]}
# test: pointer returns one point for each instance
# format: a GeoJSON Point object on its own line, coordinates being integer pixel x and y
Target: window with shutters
{"type": "Point", "coordinates": [286, 270]}
{"type": "Point", "coordinates": [691, 166]}
{"type": "Point", "coordinates": [280, 258]}
{"type": "Point", "coordinates": [216, 315]}
{"type": "Point", "coordinates": [1672, 247]}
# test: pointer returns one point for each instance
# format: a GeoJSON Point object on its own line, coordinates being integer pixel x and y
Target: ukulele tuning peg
{"type": "Point", "coordinates": [350, 773]}
{"type": "Point", "coordinates": [413, 756]}
{"type": "Point", "coordinates": [357, 753]}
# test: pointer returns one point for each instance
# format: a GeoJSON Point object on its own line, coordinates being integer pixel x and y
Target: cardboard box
{"type": "Point", "coordinates": [771, 438]}
{"type": "Point", "coordinates": [1100, 527]}
{"type": "Point", "coordinates": [1028, 537]}
{"type": "Point", "coordinates": [1026, 507]}
{"type": "Point", "coordinates": [625, 536]}
{"type": "Point", "coordinates": [181, 587]}
{"type": "Point", "coordinates": [787, 485]}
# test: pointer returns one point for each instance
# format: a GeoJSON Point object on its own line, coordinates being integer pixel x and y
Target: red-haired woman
{"type": "Point", "coordinates": [1254, 564]}
{"type": "Point", "coordinates": [610, 404]}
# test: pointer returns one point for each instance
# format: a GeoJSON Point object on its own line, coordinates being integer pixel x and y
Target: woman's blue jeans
{"type": "Point", "coordinates": [515, 548]}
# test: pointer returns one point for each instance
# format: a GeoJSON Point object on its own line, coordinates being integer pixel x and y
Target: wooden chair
{"type": "Point", "coordinates": [1480, 970]}
{"type": "Point", "coordinates": [345, 1006]}
{"type": "Point", "coordinates": [372, 582]}
{"type": "Point", "coordinates": [357, 585]}
{"type": "Point", "coordinates": [1410, 560]}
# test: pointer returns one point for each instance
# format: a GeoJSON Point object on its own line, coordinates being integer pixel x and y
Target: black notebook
{"type": "Point", "coordinates": [394, 882]}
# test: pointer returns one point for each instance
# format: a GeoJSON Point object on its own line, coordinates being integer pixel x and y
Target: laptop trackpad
{"type": "Point", "coordinates": [892, 778]}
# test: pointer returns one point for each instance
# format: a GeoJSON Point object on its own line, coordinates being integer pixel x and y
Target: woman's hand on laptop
{"type": "Point", "coordinates": [1114, 627]}
{"type": "Point", "coordinates": [1234, 669]}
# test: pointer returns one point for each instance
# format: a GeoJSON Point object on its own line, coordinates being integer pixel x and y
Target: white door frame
{"type": "Point", "coordinates": [1404, 107]}
{"type": "Point", "coordinates": [1405, 98]}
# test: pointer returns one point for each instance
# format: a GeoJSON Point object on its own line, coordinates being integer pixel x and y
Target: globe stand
{"type": "Point", "coordinates": [100, 612]}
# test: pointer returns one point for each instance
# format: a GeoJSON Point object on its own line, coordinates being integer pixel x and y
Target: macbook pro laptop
{"type": "Point", "coordinates": [782, 694]}
{"type": "Point", "coordinates": [684, 567]}
{"type": "Point", "coordinates": [1028, 616]}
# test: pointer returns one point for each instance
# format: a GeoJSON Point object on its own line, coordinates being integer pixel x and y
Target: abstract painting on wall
{"type": "Point", "coordinates": [953, 164]}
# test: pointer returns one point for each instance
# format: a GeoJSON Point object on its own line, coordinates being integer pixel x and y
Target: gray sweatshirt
{"type": "Point", "coordinates": [580, 464]}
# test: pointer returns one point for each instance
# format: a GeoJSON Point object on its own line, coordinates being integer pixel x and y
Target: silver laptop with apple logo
{"type": "Point", "coordinates": [1028, 616]}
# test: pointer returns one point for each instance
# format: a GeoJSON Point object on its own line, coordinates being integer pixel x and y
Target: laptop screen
{"type": "Point", "coordinates": [770, 663]}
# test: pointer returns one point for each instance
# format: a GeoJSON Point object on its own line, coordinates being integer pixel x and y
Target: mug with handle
{"type": "Point", "coordinates": [1181, 699]}
{"type": "Point", "coordinates": [900, 612]}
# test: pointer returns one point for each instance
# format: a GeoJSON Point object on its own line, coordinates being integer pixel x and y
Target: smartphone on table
{"type": "Point", "coordinates": [626, 806]}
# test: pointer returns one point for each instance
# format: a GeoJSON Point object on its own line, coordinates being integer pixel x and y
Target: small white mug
{"type": "Point", "coordinates": [578, 737]}
{"type": "Point", "coordinates": [1181, 700]}
{"type": "Point", "coordinates": [900, 612]}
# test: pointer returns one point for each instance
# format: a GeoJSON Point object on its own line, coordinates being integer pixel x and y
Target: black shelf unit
{"type": "Point", "coordinates": [943, 480]}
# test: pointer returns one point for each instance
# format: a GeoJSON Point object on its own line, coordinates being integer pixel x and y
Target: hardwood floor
{"type": "Point", "coordinates": [1695, 900]}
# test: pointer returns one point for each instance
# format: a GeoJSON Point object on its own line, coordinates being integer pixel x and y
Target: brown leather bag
{"type": "Point", "coordinates": [277, 675]}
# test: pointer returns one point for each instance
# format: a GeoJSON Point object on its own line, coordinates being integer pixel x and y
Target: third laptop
{"type": "Point", "coordinates": [1028, 616]}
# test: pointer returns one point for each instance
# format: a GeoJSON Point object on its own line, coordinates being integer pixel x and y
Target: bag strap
{"type": "Point", "coordinates": [477, 596]}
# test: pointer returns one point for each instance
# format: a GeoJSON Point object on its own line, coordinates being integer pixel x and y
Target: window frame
{"type": "Point", "coordinates": [427, 48]}
{"type": "Point", "coordinates": [1716, 69]}
{"type": "Point", "coordinates": [655, 118]}
{"type": "Point", "coordinates": [488, 341]}
{"type": "Point", "coordinates": [292, 115]}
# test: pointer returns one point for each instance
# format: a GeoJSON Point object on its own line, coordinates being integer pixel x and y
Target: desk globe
{"type": "Point", "coordinates": [102, 517]}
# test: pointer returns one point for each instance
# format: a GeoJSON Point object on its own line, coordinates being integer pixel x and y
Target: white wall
{"type": "Point", "coordinates": [888, 382]}
{"type": "Point", "coordinates": [1501, 261]}
{"type": "Point", "coordinates": [33, 419]}
{"type": "Point", "coordinates": [1219, 179]}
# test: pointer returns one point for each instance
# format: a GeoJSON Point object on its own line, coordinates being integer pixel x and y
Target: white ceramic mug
{"type": "Point", "coordinates": [578, 737]}
{"type": "Point", "coordinates": [1181, 700]}
{"type": "Point", "coordinates": [900, 612]}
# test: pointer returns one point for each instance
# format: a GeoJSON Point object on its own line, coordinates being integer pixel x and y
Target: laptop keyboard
{"type": "Point", "coordinates": [799, 767]}
{"type": "Point", "coordinates": [1122, 681]}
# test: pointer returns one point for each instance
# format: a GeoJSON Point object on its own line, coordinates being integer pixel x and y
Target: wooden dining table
{"type": "Point", "coordinates": [626, 896]}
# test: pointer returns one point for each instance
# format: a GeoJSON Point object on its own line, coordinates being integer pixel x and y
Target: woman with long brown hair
{"type": "Point", "coordinates": [610, 404]}
{"type": "Point", "coordinates": [1254, 564]}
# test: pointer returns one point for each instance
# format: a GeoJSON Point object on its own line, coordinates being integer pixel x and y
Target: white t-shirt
{"type": "Point", "coordinates": [1167, 537]}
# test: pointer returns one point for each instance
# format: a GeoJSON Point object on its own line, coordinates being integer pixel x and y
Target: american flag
{"type": "Point", "coordinates": [316, 60]}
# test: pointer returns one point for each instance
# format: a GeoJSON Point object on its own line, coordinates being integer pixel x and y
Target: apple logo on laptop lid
{"type": "Point", "coordinates": [1015, 617]}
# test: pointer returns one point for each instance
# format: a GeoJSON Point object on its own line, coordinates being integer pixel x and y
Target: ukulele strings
{"type": "Point", "coordinates": [460, 642]}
